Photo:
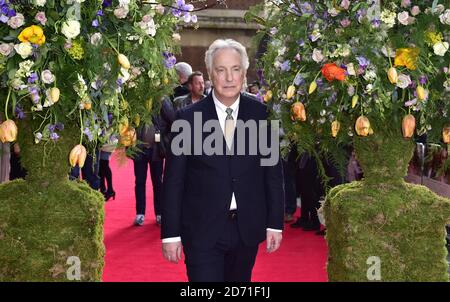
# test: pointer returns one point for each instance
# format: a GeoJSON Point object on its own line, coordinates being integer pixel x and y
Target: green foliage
{"type": "Point", "coordinates": [42, 226]}
{"type": "Point", "coordinates": [402, 224]}
{"type": "Point", "coordinates": [382, 216]}
{"type": "Point", "coordinates": [301, 32]}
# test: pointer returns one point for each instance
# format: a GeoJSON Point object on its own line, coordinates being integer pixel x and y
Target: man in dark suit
{"type": "Point", "coordinates": [219, 207]}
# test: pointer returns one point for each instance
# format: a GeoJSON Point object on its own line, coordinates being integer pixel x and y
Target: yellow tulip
{"type": "Point", "coordinates": [446, 135]}
{"type": "Point", "coordinates": [362, 126]}
{"type": "Point", "coordinates": [393, 75]}
{"type": "Point", "coordinates": [312, 87]}
{"type": "Point", "coordinates": [123, 61]}
{"type": "Point", "coordinates": [355, 99]}
{"type": "Point", "coordinates": [268, 96]}
{"type": "Point", "coordinates": [128, 138]}
{"type": "Point", "coordinates": [33, 34]}
{"type": "Point", "coordinates": [290, 92]}
{"type": "Point", "coordinates": [298, 112]}
{"type": "Point", "coordinates": [77, 156]}
{"type": "Point", "coordinates": [87, 106]}
{"type": "Point", "coordinates": [8, 131]}
{"type": "Point", "coordinates": [408, 126]}
{"type": "Point", "coordinates": [421, 93]}
{"type": "Point", "coordinates": [54, 94]}
{"type": "Point", "coordinates": [407, 57]}
{"type": "Point", "coordinates": [335, 127]}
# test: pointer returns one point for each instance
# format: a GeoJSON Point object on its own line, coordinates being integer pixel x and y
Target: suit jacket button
{"type": "Point", "coordinates": [233, 179]}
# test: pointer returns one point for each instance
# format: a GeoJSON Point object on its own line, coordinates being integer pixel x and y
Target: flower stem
{"type": "Point", "coordinates": [81, 127]}
{"type": "Point", "coordinates": [7, 103]}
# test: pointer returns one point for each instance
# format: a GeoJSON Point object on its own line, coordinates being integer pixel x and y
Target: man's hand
{"type": "Point", "coordinates": [172, 251]}
{"type": "Point", "coordinates": [273, 241]}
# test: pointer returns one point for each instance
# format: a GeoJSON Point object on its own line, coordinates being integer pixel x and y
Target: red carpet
{"type": "Point", "coordinates": [133, 254]}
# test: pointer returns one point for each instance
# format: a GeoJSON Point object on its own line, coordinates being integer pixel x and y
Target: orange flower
{"type": "Point", "coordinates": [406, 57]}
{"type": "Point", "coordinates": [332, 72]}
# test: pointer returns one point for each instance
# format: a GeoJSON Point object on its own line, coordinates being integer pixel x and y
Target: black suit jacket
{"type": "Point", "coordinates": [198, 188]}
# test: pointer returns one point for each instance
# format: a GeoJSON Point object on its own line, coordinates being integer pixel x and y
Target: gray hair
{"type": "Point", "coordinates": [183, 69]}
{"type": "Point", "coordinates": [221, 44]}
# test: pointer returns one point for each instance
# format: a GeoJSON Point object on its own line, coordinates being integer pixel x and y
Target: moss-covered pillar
{"type": "Point", "coordinates": [382, 228]}
{"type": "Point", "coordinates": [51, 229]}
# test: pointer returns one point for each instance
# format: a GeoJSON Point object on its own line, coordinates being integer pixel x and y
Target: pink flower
{"type": "Point", "coordinates": [40, 16]}
{"type": "Point", "coordinates": [345, 4]}
{"type": "Point", "coordinates": [346, 22]}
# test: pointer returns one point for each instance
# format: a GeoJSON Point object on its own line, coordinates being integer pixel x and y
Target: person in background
{"type": "Point", "coordinates": [183, 70]}
{"type": "Point", "coordinates": [196, 86]}
{"type": "Point", "coordinates": [208, 87]}
{"type": "Point", "coordinates": [105, 173]}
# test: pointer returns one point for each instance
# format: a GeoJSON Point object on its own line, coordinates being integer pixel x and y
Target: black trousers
{"type": "Point", "coordinates": [105, 176]}
{"type": "Point", "coordinates": [229, 260]}
{"type": "Point", "coordinates": [141, 163]}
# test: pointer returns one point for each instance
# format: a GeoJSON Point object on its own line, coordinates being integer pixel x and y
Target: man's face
{"type": "Point", "coordinates": [197, 86]}
{"type": "Point", "coordinates": [227, 74]}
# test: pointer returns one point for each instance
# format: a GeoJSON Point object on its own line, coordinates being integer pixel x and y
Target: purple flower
{"type": "Point", "coordinates": [19, 113]}
{"type": "Point", "coordinates": [301, 42]}
{"type": "Point", "coordinates": [4, 19]}
{"type": "Point", "coordinates": [51, 128]}
{"type": "Point", "coordinates": [54, 136]}
{"type": "Point", "coordinates": [33, 78]}
{"type": "Point", "coordinates": [106, 3]}
{"type": "Point", "coordinates": [95, 23]}
{"type": "Point", "coordinates": [423, 80]}
{"type": "Point", "coordinates": [299, 80]}
{"type": "Point", "coordinates": [307, 8]}
{"type": "Point", "coordinates": [362, 61]}
{"type": "Point", "coordinates": [285, 66]}
{"type": "Point", "coordinates": [411, 103]}
{"type": "Point", "coordinates": [34, 92]}
{"type": "Point", "coordinates": [169, 60]}
{"type": "Point", "coordinates": [59, 126]}
{"type": "Point", "coordinates": [100, 13]}
{"type": "Point", "coordinates": [376, 23]}
{"type": "Point", "coordinates": [88, 134]}
{"type": "Point", "coordinates": [119, 82]}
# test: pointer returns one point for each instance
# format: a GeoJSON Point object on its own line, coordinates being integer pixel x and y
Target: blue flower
{"type": "Point", "coordinates": [54, 136]}
{"type": "Point", "coordinates": [299, 80]}
{"type": "Point", "coordinates": [95, 23]}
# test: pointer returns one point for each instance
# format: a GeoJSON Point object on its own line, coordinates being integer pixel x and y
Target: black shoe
{"type": "Point", "coordinates": [109, 195]}
{"type": "Point", "coordinates": [299, 223]}
{"type": "Point", "coordinates": [311, 227]}
{"type": "Point", "coordinates": [321, 233]}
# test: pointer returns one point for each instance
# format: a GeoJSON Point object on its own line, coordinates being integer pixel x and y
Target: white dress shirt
{"type": "Point", "coordinates": [221, 115]}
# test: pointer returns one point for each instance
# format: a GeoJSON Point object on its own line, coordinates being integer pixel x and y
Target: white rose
{"type": "Point", "coordinates": [24, 49]}
{"type": "Point", "coordinates": [445, 17]}
{"type": "Point", "coordinates": [440, 48]}
{"type": "Point", "coordinates": [40, 2]}
{"type": "Point", "coordinates": [403, 18]}
{"type": "Point", "coordinates": [6, 49]}
{"type": "Point", "coordinates": [317, 56]}
{"type": "Point", "coordinates": [16, 21]}
{"type": "Point", "coordinates": [71, 29]}
{"type": "Point", "coordinates": [403, 81]}
{"type": "Point", "coordinates": [121, 12]}
{"type": "Point", "coordinates": [96, 39]}
{"type": "Point", "coordinates": [47, 77]}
